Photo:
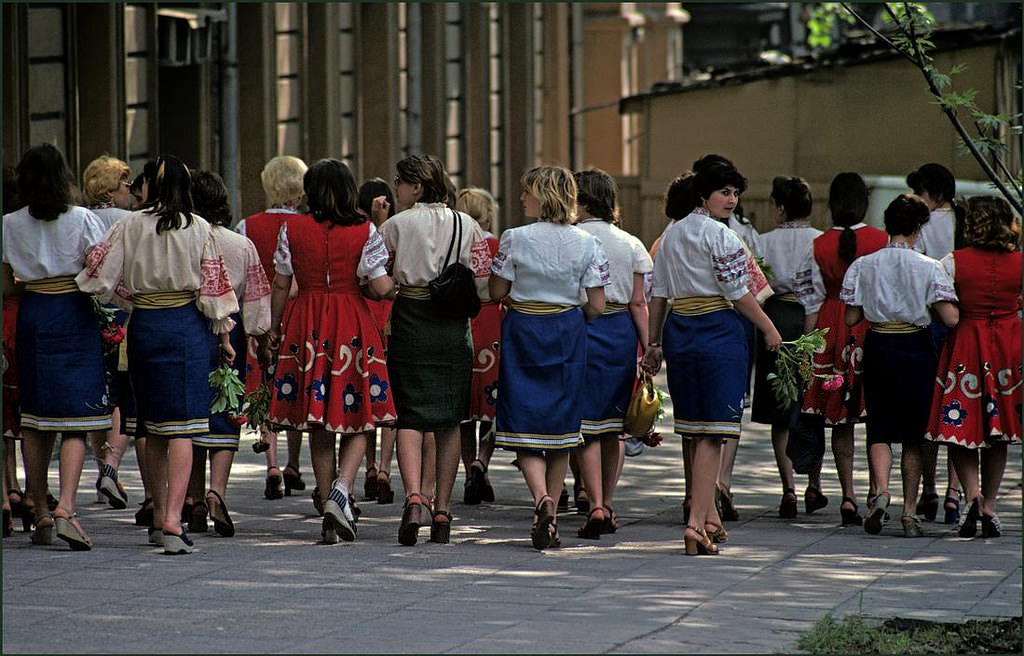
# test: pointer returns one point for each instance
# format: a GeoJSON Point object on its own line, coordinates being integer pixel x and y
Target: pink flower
{"type": "Point", "coordinates": [238, 420]}
{"type": "Point", "coordinates": [832, 383]}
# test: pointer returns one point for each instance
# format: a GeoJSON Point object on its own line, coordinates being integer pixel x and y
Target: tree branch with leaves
{"type": "Point", "coordinates": [910, 26]}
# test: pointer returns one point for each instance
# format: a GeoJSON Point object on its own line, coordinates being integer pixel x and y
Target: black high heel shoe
{"type": "Point", "coordinates": [441, 527]}
{"type": "Point", "coordinates": [969, 527]}
{"type": "Point", "coordinates": [928, 506]}
{"type": "Point", "coordinates": [292, 480]}
{"type": "Point", "coordinates": [951, 506]}
{"type": "Point", "coordinates": [21, 509]}
{"type": "Point", "coordinates": [851, 517]}
{"type": "Point", "coordinates": [144, 516]}
{"type": "Point", "coordinates": [8, 523]}
{"type": "Point", "coordinates": [223, 525]}
{"type": "Point", "coordinates": [272, 490]}
{"type": "Point", "coordinates": [990, 527]}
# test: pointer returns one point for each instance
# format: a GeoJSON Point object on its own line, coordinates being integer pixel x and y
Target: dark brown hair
{"type": "Point", "coordinates": [429, 172]}
{"type": "Point", "coordinates": [848, 203]}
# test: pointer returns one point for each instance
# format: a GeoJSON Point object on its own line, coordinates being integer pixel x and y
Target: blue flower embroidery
{"type": "Point", "coordinates": [492, 393]}
{"type": "Point", "coordinates": [286, 389]}
{"type": "Point", "coordinates": [953, 414]}
{"type": "Point", "coordinates": [352, 398]}
{"type": "Point", "coordinates": [378, 389]}
{"type": "Point", "coordinates": [318, 388]}
{"type": "Point", "coordinates": [991, 409]}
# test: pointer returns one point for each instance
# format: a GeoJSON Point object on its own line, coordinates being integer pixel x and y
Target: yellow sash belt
{"type": "Point", "coordinates": [539, 307]}
{"type": "Point", "coordinates": [692, 306]}
{"type": "Point", "coordinates": [893, 327]}
{"type": "Point", "coordinates": [612, 308]}
{"type": "Point", "coordinates": [788, 297]}
{"type": "Point", "coordinates": [418, 293]}
{"type": "Point", "coordinates": [163, 300]}
{"type": "Point", "coordinates": [55, 285]}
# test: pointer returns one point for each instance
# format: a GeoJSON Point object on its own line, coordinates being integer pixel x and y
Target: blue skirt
{"type": "Point", "coordinates": [899, 378]}
{"type": "Point", "coordinates": [540, 398]}
{"type": "Point", "coordinates": [61, 376]}
{"type": "Point", "coordinates": [706, 357]}
{"type": "Point", "coordinates": [169, 364]}
{"type": "Point", "coordinates": [224, 434]}
{"type": "Point", "coordinates": [610, 374]}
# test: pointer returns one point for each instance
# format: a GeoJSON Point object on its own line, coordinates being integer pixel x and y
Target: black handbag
{"type": "Point", "coordinates": [454, 290]}
{"type": "Point", "coordinates": [805, 446]}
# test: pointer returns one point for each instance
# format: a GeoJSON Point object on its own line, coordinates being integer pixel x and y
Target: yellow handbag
{"type": "Point", "coordinates": [643, 408]}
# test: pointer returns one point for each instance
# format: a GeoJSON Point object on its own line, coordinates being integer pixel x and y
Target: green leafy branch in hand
{"type": "Point", "coordinates": [794, 366]}
{"type": "Point", "coordinates": [909, 26]}
{"type": "Point", "coordinates": [766, 268]}
{"type": "Point", "coordinates": [257, 406]}
{"type": "Point", "coordinates": [228, 389]}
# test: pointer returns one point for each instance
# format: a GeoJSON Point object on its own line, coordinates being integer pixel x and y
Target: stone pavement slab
{"type": "Point", "coordinates": [273, 589]}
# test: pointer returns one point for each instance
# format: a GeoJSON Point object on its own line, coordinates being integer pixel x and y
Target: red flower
{"type": "Point", "coordinates": [238, 420]}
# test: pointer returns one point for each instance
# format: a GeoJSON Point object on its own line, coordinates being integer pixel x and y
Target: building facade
{"type": "Point", "coordinates": [491, 88]}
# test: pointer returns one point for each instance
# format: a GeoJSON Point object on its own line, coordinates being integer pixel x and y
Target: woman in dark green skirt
{"type": "Point", "coordinates": [430, 355]}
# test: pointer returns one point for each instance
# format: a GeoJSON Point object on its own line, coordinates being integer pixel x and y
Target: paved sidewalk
{"type": "Point", "coordinates": [272, 589]}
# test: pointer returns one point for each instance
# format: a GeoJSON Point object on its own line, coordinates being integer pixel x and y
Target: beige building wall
{"type": "Point", "coordinates": [874, 118]}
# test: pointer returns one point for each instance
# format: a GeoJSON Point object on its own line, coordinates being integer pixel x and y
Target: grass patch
{"type": "Point", "coordinates": [855, 635]}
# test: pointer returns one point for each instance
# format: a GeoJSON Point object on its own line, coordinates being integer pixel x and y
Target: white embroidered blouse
{"type": "Point", "coordinates": [626, 256]}
{"type": "Point", "coordinates": [936, 238]}
{"type": "Point", "coordinates": [252, 289]}
{"type": "Point", "coordinates": [783, 249]}
{"type": "Point", "coordinates": [550, 262]}
{"type": "Point", "coordinates": [132, 258]}
{"type": "Point", "coordinates": [45, 249]}
{"type": "Point", "coordinates": [896, 283]}
{"type": "Point", "coordinates": [418, 240]}
{"type": "Point", "coordinates": [700, 256]}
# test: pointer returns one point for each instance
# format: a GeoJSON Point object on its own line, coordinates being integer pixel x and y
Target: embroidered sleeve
{"type": "Point", "coordinates": [216, 297]}
{"type": "Point", "coordinates": [949, 264]}
{"type": "Point", "coordinates": [849, 293]}
{"type": "Point", "coordinates": [502, 265]}
{"type": "Point", "coordinates": [283, 253]}
{"type": "Point", "coordinates": [255, 293]}
{"type": "Point", "coordinates": [941, 287]}
{"type": "Point", "coordinates": [757, 282]}
{"type": "Point", "coordinates": [104, 269]}
{"type": "Point", "coordinates": [808, 284]}
{"type": "Point", "coordinates": [481, 257]}
{"type": "Point", "coordinates": [729, 265]}
{"type": "Point", "coordinates": [596, 274]}
{"type": "Point", "coordinates": [372, 264]}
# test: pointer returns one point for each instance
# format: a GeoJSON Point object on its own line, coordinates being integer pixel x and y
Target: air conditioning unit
{"type": "Point", "coordinates": [185, 36]}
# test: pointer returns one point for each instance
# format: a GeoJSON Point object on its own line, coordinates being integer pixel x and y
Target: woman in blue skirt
{"type": "Point", "coordinates": [702, 266]}
{"type": "Point", "coordinates": [163, 263]}
{"type": "Point", "coordinates": [545, 268]}
{"type": "Point", "coordinates": [612, 341]}
{"type": "Point", "coordinates": [59, 350]}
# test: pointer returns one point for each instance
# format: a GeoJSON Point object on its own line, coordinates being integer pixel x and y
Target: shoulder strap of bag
{"type": "Point", "coordinates": [457, 228]}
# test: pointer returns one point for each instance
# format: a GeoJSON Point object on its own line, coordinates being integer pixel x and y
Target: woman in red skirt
{"type": "Point", "coordinates": [976, 404]}
{"type": "Point", "coordinates": [330, 377]}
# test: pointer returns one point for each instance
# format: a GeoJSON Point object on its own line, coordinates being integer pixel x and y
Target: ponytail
{"type": "Point", "coordinates": [848, 245]}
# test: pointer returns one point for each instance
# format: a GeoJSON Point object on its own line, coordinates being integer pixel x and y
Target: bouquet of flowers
{"type": "Point", "coordinates": [766, 268]}
{"type": "Point", "coordinates": [229, 390]}
{"type": "Point", "coordinates": [111, 332]}
{"type": "Point", "coordinates": [794, 368]}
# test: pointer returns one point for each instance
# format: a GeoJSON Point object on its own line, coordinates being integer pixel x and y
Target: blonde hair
{"type": "Point", "coordinates": [479, 204]}
{"type": "Point", "coordinates": [102, 178]}
{"type": "Point", "coordinates": [282, 178]}
{"type": "Point", "coordinates": [555, 190]}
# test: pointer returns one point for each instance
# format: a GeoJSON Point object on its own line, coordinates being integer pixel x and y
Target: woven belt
{"type": "Point", "coordinates": [163, 300]}
{"type": "Point", "coordinates": [692, 306]}
{"type": "Point", "coordinates": [539, 307]}
{"type": "Point", "coordinates": [55, 285]}
{"type": "Point", "coordinates": [418, 293]}
{"type": "Point", "coordinates": [788, 297]}
{"type": "Point", "coordinates": [895, 327]}
{"type": "Point", "coordinates": [612, 308]}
